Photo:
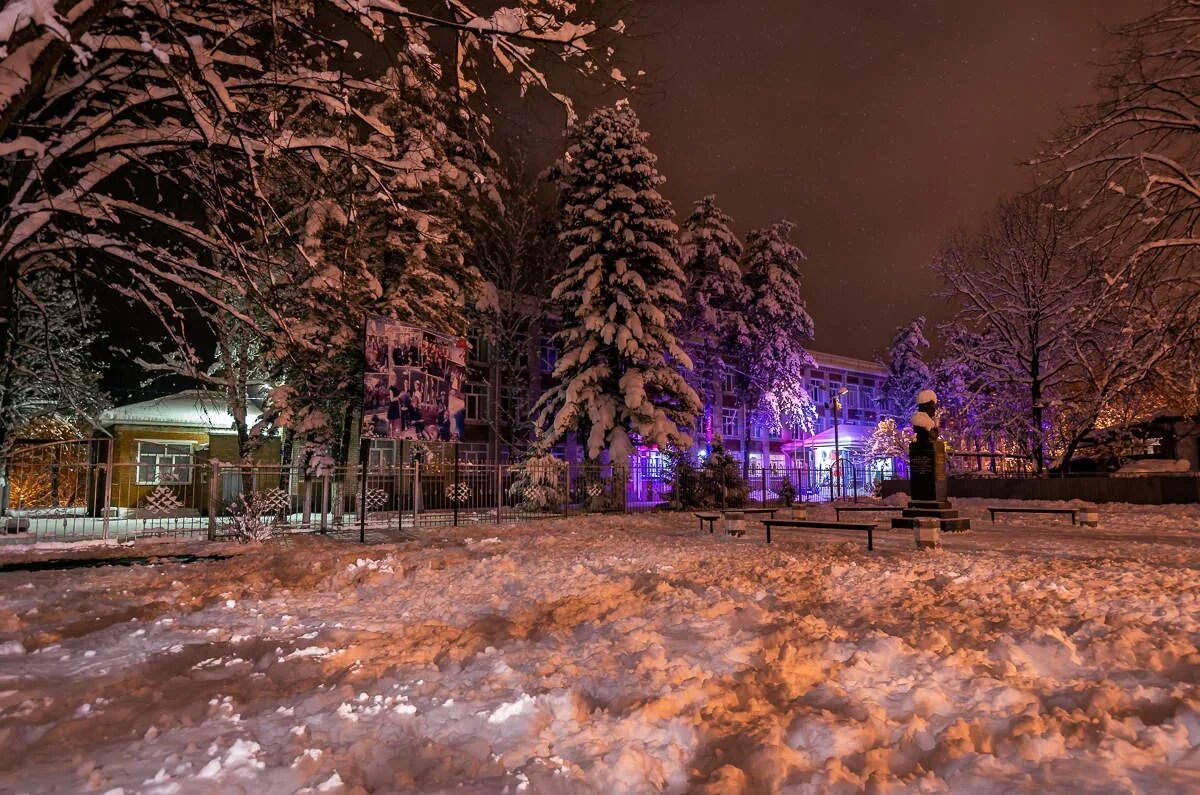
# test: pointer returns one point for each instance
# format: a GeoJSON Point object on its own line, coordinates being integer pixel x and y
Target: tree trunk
{"type": "Point", "coordinates": [8, 336]}
{"type": "Point", "coordinates": [745, 441]}
{"type": "Point", "coordinates": [1035, 396]}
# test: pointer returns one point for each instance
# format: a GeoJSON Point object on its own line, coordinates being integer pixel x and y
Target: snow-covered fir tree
{"type": "Point", "coordinates": [716, 297]}
{"type": "Point", "coordinates": [619, 376]}
{"type": "Point", "coordinates": [772, 385]}
{"type": "Point", "coordinates": [908, 373]}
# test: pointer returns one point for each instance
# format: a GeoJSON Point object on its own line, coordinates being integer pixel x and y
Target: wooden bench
{"type": "Point", "coordinates": [1071, 511]}
{"type": "Point", "coordinates": [707, 517]}
{"type": "Point", "coordinates": [798, 524]}
{"type": "Point", "coordinates": [839, 509]}
{"type": "Point", "coordinates": [756, 511]}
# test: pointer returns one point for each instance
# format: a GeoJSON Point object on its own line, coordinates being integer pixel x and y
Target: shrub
{"type": "Point", "coordinates": [538, 487]}
{"type": "Point", "coordinates": [787, 492]}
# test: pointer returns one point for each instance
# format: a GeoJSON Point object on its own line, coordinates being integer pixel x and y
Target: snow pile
{"type": "Point", "coordinates": [621, 654]}
{"type": "Point", "coordinates": [1154, 465]}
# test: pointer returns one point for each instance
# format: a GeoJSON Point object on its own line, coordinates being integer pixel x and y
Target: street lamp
{"type": "Point", "coordinates": [837, 455]}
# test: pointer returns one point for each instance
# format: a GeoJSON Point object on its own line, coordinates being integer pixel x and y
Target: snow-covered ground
{"type": "Point", "coordinates": [616, 654]}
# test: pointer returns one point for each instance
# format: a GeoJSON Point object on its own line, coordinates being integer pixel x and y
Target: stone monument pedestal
{"type": "Point", "coordinates": [927, 478]}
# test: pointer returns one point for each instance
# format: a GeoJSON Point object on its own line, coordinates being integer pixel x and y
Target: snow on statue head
{"type": "Point", "coordinates": [924, 422]}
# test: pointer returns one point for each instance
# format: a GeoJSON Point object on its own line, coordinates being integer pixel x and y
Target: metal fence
{"type": "Point", "coordinates": [74, 497]}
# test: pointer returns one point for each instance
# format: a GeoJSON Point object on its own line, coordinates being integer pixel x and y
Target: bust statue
{"type": "Point", "coordinates": [924, 421]}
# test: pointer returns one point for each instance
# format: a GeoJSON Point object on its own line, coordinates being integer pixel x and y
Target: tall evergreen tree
{"type": "Point", "coordinates": [620, 297]}
{"type": "Point", "coordinates": [779, 324]}
{"type": "Point", "coordinates": [907, 371]}
{"type": "Point", "coordinates": [715, 295]}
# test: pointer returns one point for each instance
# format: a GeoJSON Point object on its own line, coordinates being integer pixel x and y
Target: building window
{"type": "Point", "coordinates": [473, 453]}
{"type": "Point", "coordinates": [510, 404]}
{"type": "Point", "coordinates": [382, 454]}
{"type": "Point", "coordinates": [817, 390]}
{"type": "Point", "coordinates": [727, 384]}
{"type": "Point", "coordinates": [164, 462]}
{"type": "Point", "coordinates": [476, 395]}
{"type": "Point", "coordinates": [851, 398]}
{"type": "Point", "coordinates": [729, 423]}
{"type": "Point", "coordinates": [547, 355]}
{"type": "Point", "coordinates": [478, 345]}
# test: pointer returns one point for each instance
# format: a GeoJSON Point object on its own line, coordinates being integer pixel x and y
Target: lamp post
{"type": "Point", "coordinates": [837, 455]}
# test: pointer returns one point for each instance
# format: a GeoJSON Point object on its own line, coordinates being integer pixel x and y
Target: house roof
{"type": "Point", "coordinates": [847, 436]}
{"type": "Point", "coordinates": [193, 408]}
{"type": "Point", "coordinates": [838, 361]}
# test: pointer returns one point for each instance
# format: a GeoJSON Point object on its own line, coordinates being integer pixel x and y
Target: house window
{"type": "Point", "coordinates": [547, 356]}
{"type": "Point", "coordinates": [164, 462]}
{"type": "Point", "coordinates": [729, 422]}
{"type": "Point", "coordinates": [476, 395]}
{"type": "Point", "coordinates": [727, 384]}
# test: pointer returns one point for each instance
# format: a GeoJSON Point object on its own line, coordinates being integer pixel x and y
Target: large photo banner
{"type": "Point", "coordinates": [413, 387]}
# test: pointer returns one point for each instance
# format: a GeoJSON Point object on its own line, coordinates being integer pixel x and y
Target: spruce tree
{"type": "Point", "coordinates": [619, 373]}
{"type": "Point", "coordinates": [715, 295]}
{"type": "Point", "coordinates": [779, 325]}
{"type": "Point", "coordinates": [907, 371]}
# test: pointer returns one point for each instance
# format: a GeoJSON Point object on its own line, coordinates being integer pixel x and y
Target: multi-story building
{"type": "Point", "coordinates": [847, 394]}
{"type": "Point", "coordinates": [854, 386]}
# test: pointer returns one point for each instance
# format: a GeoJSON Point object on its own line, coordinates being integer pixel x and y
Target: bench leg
{"type": "Point", "coordinates": [768, 533]}
{"type": "Point", "coordinates": [870, 541]}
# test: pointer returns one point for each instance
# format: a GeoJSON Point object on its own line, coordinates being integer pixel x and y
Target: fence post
{"type": "Point", "coordinates": [454, 492]}
{"type": "Point", "coordinates": [106, 508]}
{"type": "Point", "coordinates": [763, 473]}
{"type": "Point", "coordinates": [214, 497]}
{"type": "Point", "coordinates": [499, 490]}
{"type": "Point", "coordinates": [364, 454]}
{"type": "Point", "coordinates": [306, 508]}
{"type": "Point", "coordinates": [324, 500]}
{"type": "Point", "coordinates": [398, 490]}
{"type": "Point", "coordinates": [416, 491]}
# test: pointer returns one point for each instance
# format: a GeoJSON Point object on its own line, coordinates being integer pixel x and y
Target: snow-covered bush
{"type": "Point", "coordinates": [723, 479]}
{"type": "Point", "coordinates": [687, 490]}
{"type": "Point", "coordinates": [787, 492]}
{"type": "Point", "coordinates": [254, 517]}
{"type": "Point", "coordinates": [717, 483]}
{"type": "Point", "coordinates": [539, 485]}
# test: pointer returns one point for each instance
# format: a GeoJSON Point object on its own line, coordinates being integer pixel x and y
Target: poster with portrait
{"type": "Point", "coordinates": [413, 384]}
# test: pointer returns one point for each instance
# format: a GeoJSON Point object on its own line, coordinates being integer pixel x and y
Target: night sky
{"type": "Point", "coordinates": [879, 128]}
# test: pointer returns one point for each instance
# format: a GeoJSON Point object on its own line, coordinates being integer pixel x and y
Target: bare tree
{"type": "Point", "coordinates": [1132, 167]}
{"type": "Point", "coordinates": [1022, 289]}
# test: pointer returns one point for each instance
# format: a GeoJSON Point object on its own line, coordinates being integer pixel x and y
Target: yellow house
{"type": "Point", "coordinates": [163, 449]}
